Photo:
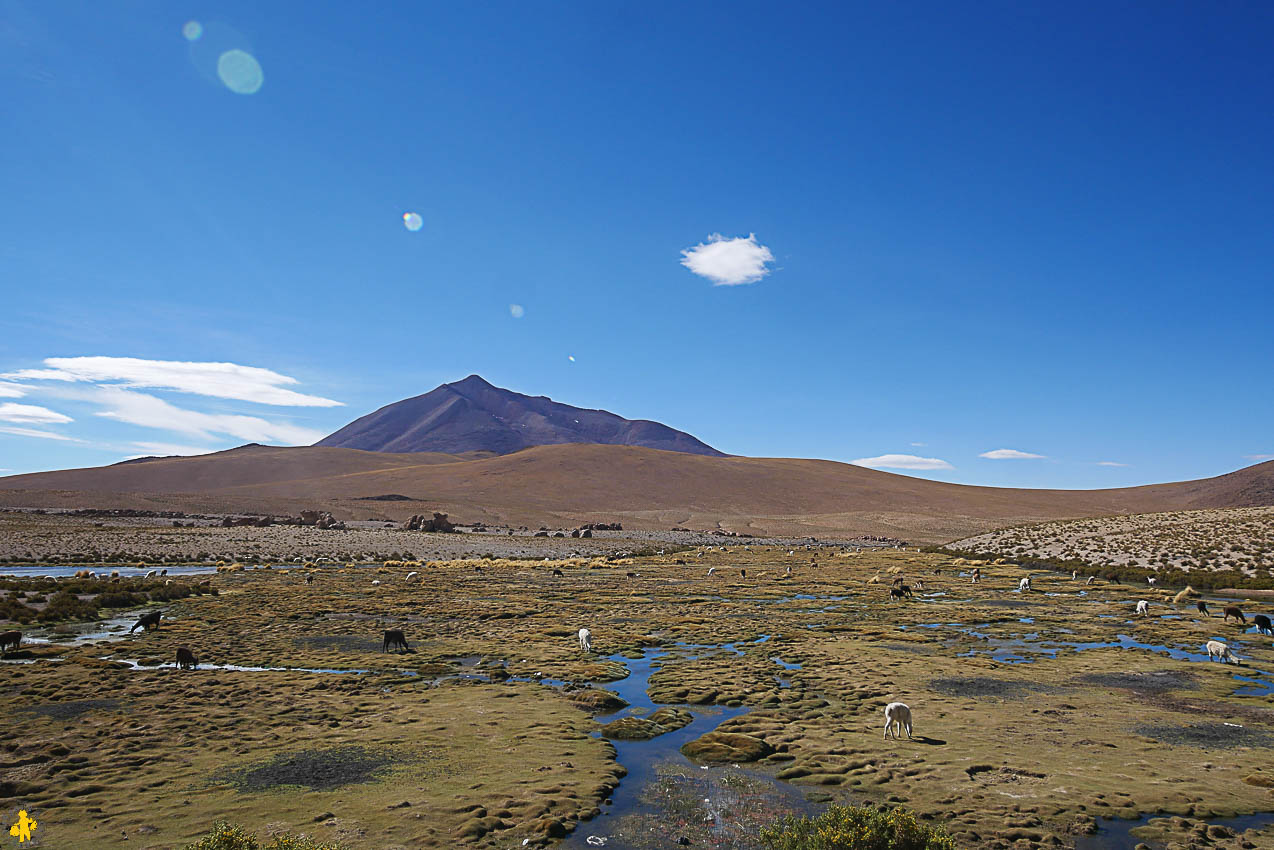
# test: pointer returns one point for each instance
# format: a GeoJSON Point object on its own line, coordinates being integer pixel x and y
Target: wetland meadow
{"type": "Point", "coordinates": [711, 705]}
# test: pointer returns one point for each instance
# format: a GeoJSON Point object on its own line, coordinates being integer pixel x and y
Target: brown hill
{"type": "Point", "coordinates": [565, 485]}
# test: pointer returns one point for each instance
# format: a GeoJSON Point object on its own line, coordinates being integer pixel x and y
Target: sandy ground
{"type": "Point", "coordinates": [1239, 539]}
{"type": "Point", "coordinates": [1034, 713]}
{"type": "Point", "coordinates": [32, 538]}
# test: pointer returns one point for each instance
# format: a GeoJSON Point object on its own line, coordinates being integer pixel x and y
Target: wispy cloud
{"type": "Point", "coordinates": [43, 435]}
{"type": "Point", "coordinates": [219, 380]}
{"type": "Point", "coordinates": [1110, 463]}
{"type": "Point", "coordinates": [1010, 454]}
{"type": "Point", "coordinates": [31, 414]}
{"type": "Point", "coordinates": [1259, 457]}
{"type": "Point", "coordinates": [166, 449]}
{"type": "Point", "coordinates": [728, 262]}
{"type": "Point", "coordinates": [902, 462]}
{"type": "Point", "coordinates": [152, 412]}
{"type": "Point", "coordinates": [8, 390]}
{"type": "Point", "coordinates": [918, 445]}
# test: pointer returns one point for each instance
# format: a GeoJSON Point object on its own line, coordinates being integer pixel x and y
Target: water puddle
{"type": "Point", "coordinates": [73, 634]}
{"type": "Point", "coordinates": [1026, 648]}
{"type": "Point", "coordinates": [1254, 687]}
{"type": "Point", "coordinates": [69, 570]}
{"type": "Point", "coordinates": [1114, 834]}
{"type": "Point", "coordinates": [236, 668]}
{"type": "Point", "coordinates": [656, 767]}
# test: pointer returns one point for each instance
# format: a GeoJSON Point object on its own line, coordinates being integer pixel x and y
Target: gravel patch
{"type": "Point", "coordinates": [1212, 736]}
{"type": "Point", "coordinates": [1155, 681]}
{"type": "Point", "coordinates": [318, 770]}
{"type": "Point", "coordinates": [987, 687]}
{"type": "Point", "coordinates": [356, 643]}
{"type": "Point", "coordinates": [71, 708]}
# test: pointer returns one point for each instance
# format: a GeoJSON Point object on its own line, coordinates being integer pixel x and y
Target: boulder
{"type": "Point", "coordinates": [439, 522]}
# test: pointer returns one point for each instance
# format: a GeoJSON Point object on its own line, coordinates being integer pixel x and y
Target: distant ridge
{"type": "Point", "coordinates": [566, 485]}
{"type": "Point", "coordinates": [475, 416]}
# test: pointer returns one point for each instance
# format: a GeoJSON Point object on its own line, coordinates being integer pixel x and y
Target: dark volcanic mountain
{"type": "Point", "coordinates": [474, 416]}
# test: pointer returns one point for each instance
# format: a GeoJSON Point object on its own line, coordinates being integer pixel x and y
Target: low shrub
{"type": "Point", "coordinates": [67, 606]}
{"type": "Point", "coordinates": [224, 836]}
{"type": "Point", "coordinates": [855, 828]}
{"type": "Point", "coordinates": [12, 609]}
{"type": "Point", "coordinates": [171, 592]}
{"type": "Point", "coordinates": [1199, 579]}
{"type": "Point", "coordinates": [120, 599]}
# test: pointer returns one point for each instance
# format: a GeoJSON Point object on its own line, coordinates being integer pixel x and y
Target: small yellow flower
{"type": "Point", "coordinates": [22, 829]}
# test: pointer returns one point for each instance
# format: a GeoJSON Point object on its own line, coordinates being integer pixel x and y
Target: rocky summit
{"type": "Point", "coordinates": [474, 416]}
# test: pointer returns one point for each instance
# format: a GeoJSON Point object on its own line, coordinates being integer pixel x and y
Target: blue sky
{"type": "Point", "coordinates": [1044, 230]}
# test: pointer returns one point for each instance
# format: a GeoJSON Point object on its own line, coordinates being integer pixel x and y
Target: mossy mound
{"type": "Point", "coordinates": [596, 700]}
{"type": "Point", "coordinates": [644, 728]}
{"type": "Point", "coordinates": [726, 747]}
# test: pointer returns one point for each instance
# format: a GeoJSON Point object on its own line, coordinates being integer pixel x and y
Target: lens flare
{"type": "Point", "coordinates": [516, 311]}
{"type": "Point", "coordinates": [413, 221]}
{"type": "Point", "coordinates": [570, 357]}
{"type": "Point", "coordinates": [240, 71]}
{"type": "Point", "coordinates": [192, 30]}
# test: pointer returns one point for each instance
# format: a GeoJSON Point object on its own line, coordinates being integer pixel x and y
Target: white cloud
{"type": "Point", "coordinates": [1010, 454]}
{"type": "Point", "coordinates": [151, 412]}
{"type": "Point", "coordinates": [1110, 463]}
{"type": "Point", "coordinates": [902, 462]}
{"type": "Point", "coordinates": [219, 380]}
{"type": "Point", "coordinates": [728, 262]}
{"type": "Point", "coordinates": [31, 414]}
{"type": "Point", "coordinates": [168, 449]}
{"type": "Point", "coordinates": [44, 435]}
{"type": "Point", "coordinates": [919, 445]}
{"type": "Point", "coordinates": [1259, 457]}
{"type": "Point", "coordinates": [8, 390]}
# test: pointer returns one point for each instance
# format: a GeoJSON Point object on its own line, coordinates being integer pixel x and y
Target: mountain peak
{"type": "Point", "coordinates": [473, 382]}
{"type": "Point", "coordinates": [473, 415]}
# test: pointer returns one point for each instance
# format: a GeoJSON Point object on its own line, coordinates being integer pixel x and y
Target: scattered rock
{"type": "Point", "coordinates": [438, 523]}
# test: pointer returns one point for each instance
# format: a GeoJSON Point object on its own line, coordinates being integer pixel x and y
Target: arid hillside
{"type": "Point", "coordinates": [1235, 539]}
{"type": "Point", "coordinates": [563, 485]}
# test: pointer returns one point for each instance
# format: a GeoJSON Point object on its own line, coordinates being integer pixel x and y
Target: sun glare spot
{"type": "Point", "coordinates": [192, 30]}
{"type": "Point", "coordinates": [412, 221]}
{"type": "Point", "coordinates": [570, 357]}
{"type": "Point", "coordinates": [516, 311]}
{"type": "Point", "coordinates": [240, 71]}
